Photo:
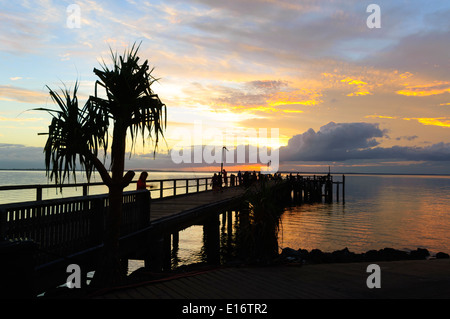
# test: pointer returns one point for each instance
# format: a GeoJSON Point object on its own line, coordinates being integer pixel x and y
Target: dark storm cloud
{"type": "Point", "coordinates": [351, 141]}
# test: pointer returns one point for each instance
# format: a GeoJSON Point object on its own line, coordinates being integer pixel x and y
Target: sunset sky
{"type": "Point", "coordinates": [342, 94]}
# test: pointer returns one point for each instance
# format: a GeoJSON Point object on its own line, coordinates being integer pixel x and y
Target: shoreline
{"type": "Point", "coordinates": [316, 256]}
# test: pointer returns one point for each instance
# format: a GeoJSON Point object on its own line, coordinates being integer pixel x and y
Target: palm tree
{"type": "Point", "coordinates": [132, 107]}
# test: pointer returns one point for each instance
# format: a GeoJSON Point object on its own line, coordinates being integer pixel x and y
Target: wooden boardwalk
{"type": "Point", "coordinates": [167, 207]}
{"type": "Point", "coordinates": [399, 279]}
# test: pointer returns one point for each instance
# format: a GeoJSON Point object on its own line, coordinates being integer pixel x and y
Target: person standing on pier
{"type": "Point", "coordinates": [216, 183]}
{"type": "Point", "coordinates": [225, 178]}
{"type": "Point", "coordinates": [141, 183]}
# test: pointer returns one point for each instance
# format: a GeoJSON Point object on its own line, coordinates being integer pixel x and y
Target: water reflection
{"type": "Point", "coordinates": [380, 211]}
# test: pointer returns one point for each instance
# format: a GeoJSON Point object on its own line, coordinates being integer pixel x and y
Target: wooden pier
{"type": "Point", "coordinates": [58, 232]}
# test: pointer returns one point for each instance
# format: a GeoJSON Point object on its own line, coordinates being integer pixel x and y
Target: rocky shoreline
{"type": "Point", "coordinates": [316, 256]}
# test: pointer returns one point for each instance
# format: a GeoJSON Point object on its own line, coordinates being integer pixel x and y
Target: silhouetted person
{"type": "Point", "coordinates": [215, 183]}
{"type": "Point", "coordinates": [142, 181]}
{"type": "Point", "coordinates": [232, 180]}
{"type": "Point", "coordinates": [246, 179]}
{"type": "Point", "coordinates": [225, 178]}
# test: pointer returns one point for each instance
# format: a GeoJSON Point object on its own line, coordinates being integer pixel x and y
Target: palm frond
{"type": "Point", "coordinates": [130, 99]}
{"type": "Point", "coordinates": [73, 134]}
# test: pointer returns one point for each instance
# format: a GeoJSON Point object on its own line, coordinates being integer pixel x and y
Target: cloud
{"type": "Point", "coordinates": [432, 121]}
{"type": "Point", "coordinates": [18, 94]}
{"type": "Point", "coordinates": [19, 156]}
{"type": "Point", "coordinates": [426, 89]}
{"type": "Point", "coordinates": [408, 138]}
{"type": "Point", "coordinates": [333, 141]}
{"type": "Point", "coordinates": [260, 98]}
{"type": "Point", "coordinates": [355, 141]}
{"type": "Point", "coordinates": [440, 121]}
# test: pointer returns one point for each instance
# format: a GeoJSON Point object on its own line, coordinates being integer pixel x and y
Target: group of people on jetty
{"type": "Point", "coordinates": [245, 179]}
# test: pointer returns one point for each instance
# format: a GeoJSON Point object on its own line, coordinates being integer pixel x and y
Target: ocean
{"type": "Point", "coordinates": [397, 211]}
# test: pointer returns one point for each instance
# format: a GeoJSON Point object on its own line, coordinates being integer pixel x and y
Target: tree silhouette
{"type": "Point", "coordinates": [78, 135]}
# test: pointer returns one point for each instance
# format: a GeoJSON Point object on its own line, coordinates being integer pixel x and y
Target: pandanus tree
{"type": "Point", "coordinates": [79, 136]}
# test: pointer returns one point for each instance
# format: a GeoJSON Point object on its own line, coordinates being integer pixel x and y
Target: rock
{"type": "Point", "coordinates": [289, 252]}
{"type": "Point", "coordinates": [390, 254]}
{"type": "Point", "coordinates": [316, 256]}
{"type": "Point", "coordinates": [291, 255]}
{"type": "Point", "coordinates": [441, 255]}
{"type": "Point", "coordinates": [303, 252]}
{"type": "Point", "coordinates": [344, 256]}
{"type": "Point", "coordinates": [418, 254]}
{"type": "Point", "coordinates": [371, 255]}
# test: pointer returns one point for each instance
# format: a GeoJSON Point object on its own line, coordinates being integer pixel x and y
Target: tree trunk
{"type": "Point", "coordinates": [109, 271]}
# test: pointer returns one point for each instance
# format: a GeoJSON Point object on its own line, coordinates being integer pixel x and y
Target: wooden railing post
{"type": "Point", "coordinates": [187, 186]}
{"type": "Point", "coordinates": [145, 206]}
{"type": "Point", "coordinates": [174, 187]}
{"type": "Point", "coordinates": [161, 189]}
{"type": "Point", "coordinates": [98, 209]}
{"type": "Point", "coordinates": [38, 193]}
{"type": "Point", "coordinates": [3, 225]}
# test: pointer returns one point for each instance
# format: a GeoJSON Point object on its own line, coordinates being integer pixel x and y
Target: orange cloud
{"type": "Point", "coordinates": [381, 117]}
{"type": "Point", "coordinates": [354, 82]}
{"type": "Point", "coordinates": [362, 87]}
{"type": "Point", "coordinates": [11, 93]}
{"type": "Point", "coordinates": [426, 89]}
{"type": "Point", "coordinates": [359, 93]}
{"type": "Point", "coordinates": [440, 121]}
{"type": "Point", "coordinates": [298, 97]}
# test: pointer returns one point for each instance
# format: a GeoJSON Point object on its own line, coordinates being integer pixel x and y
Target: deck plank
{"type": "Point", "coordinates": [400, 279]}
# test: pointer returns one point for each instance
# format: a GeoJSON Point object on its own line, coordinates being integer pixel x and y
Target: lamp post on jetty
{"type": "Point", "coordinates": [221, 164]}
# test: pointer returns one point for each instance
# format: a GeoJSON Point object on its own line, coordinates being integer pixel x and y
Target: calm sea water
{"type": "Point", "coordinates": [402, 212]}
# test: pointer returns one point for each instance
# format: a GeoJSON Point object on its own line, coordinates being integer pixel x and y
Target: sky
{"type": "Point", "coordinates": [334, 91]}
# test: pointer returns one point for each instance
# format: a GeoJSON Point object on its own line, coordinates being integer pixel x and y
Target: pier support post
{"type": "Point", "coordinates": [175, 240]}
{"type": "Point", "coordinates": [211, 236]}
{"type": "Point", "coordinates": [124, 266]}
{"type": "Point", "coordinates": [337, 191]}
{"type": "Point", "coordinates": [343, 189]}
{"type": "Point", "coordinates": [155, 258]}
{"type": "Point", "coordinates": [167, 253]}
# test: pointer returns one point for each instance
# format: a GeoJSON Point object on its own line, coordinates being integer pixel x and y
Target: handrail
{"type": "Point", "coordinates": [202, 184]}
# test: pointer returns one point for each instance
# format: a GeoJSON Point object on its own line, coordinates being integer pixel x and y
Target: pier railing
{"type": "Point", "coordinates": [72, 223]}
{"type": "Point", "coordinates": [72, 228]}
{"type": "Point", "coordinates": [64, 226]}
{"type": "Point", "coordinates": [158, 188]}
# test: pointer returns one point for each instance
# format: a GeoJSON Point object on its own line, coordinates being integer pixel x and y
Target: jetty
{"type": "Point", "coordinates": [41, 238]}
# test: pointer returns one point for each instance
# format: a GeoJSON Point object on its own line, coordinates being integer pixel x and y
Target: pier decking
{"type": "Point", "coordinates": [164, 208]}
{"type": "Point", "coordinates": [399, 279]}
